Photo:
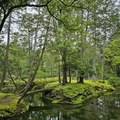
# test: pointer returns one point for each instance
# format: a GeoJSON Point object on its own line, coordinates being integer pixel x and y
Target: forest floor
{"type": "Point", "coordinates": [9, 106]}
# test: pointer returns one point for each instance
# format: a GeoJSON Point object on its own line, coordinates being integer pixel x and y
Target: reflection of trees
{"type": "Point", "coordinates": [104, 108]}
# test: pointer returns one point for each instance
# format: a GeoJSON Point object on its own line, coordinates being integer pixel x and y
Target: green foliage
{"type": "Point", "coordinates": [112, 54]}
{"type": "Point", "coordinates": [17, 60]}
{"type": "Point", "coordinates": [41, 74]}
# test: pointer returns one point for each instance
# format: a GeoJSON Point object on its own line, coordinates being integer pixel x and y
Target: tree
{"type": "Point", "coordinates": [112, 57]}
{"type": "Point", "coordinates": [8, 6]}
{"type": "Point", "coordinates": [104, 17]}
{"type": "Point", "coordinates": [6, 56]}
{"type": "Point", "coordinates": [61, 45]}
{"type": "Point", "coordinates": [74, 21]}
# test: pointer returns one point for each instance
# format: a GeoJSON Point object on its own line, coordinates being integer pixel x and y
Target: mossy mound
{"type": "Point", "coordinates": [9, 107]}
{"type": "Point", "coordinates": [52, 85]}
{"type": "Point", "coordinates": [76, 93]}
{"type": "Point", "coordinates": [41, 83]}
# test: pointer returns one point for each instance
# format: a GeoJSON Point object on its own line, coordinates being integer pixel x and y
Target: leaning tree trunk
{"type": "Point", "coordinates": [32, 75]}
{"type": "Point", "coordinates": [12, 81]}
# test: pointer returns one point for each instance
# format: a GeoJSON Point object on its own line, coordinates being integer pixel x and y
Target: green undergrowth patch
{"type": "Point", "coordinates": [40, 83]}
{"type": "Point", "coordinates": [9, 107]}
{"type": "Point", "coordinates": [37, 83]}
{"type": "Point", "coordinates": [76, 93]}
{"type": "Point", "coordinates": [52, 85]}
{"type": "Point", "coordinates": [100, 85]}
{"type": "Point", "coordinates": [115, 83]}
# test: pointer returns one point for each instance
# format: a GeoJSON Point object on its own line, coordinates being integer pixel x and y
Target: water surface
{"type": "Point", "coordinates": [104, 108]}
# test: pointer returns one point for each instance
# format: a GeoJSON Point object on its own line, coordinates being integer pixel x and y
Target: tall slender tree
{"type": "Point", "coordinates": [6, 56]}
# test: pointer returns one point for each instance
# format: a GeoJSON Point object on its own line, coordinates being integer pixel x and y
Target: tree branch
{"type": "Point", "coordinates": [68, 5]}
{"type": "Point", "coordinates": [3, 10]}
{"type": "Point", "coordinates": [3, 2]}
{"type": "Point", "coordinates": [71, 5]}
{"type": "Point", "coordinates": [18, 6]}
{"type": "Point", "coordinates": [67, 27]}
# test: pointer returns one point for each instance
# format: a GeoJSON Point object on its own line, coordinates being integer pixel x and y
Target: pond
{"type": "Point", "coordinates": [104, 108]}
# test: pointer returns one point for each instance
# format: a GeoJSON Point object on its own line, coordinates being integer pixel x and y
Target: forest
{"type": "Point", "coordinates": [66, 39]}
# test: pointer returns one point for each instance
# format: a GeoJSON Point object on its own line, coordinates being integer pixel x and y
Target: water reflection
{"type": "Point", "coordinates": [105, 108]}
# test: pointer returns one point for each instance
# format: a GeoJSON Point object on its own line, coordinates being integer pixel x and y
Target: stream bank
{"type": "Point", "coordinates": [76, 93]}
{"type": "Point", "coordinates": [71, 93]}
{"type": "Point", "coordinates": [9, 107]}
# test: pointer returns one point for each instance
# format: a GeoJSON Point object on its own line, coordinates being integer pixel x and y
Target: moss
{"type": "Point", "coordinates": [56, 101]}
{"type": "Point", "coordinates": [9, 107]}
{"type": "Point", "coordinates": [75, 93]}
{"type": "Point", "coordinates": [51, 85]}
{"type": "Point", "coordinates": [78, 100]}
{"type": "Point", "coordinates": [41, 83]}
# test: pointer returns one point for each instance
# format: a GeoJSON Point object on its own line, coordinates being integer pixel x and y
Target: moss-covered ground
{"type": "Point", "coordinates": [71, 93]}
{"type": "Point", "coordinates": [8, 101]}
{"type": "Point", "coordinates": [9, 106]}
{"type": "Point", "coordinates": [76, 93]}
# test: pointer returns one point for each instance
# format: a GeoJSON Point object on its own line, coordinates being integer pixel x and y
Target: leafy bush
{"type": "Point", "coordinates": [41, 74]}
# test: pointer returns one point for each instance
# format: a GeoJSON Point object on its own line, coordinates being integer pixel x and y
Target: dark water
{"type": "Point", "coordinates": [104, 108]}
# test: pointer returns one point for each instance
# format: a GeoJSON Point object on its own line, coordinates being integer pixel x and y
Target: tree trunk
{"type": "Point", "coordinates": [94, 67]}
{"type": "Point", "coordinates": [76, 75]}
{"type": "Point", "coordinates": [52, 68]}
{"type": "Point", "coordinates": [95, 44]}
{"type": "Point", "coordinates": [64, 68]}
{"type": "Point", "coordinates": [59, 78]}
{"type": "Point", "coordinates": [102, 74]}
{"type": "Point", "coordinates": [33, 74]}
{"type": "Point", "coordinates": [103, 52]}
{"type": "Point", "coordinates": [64, 74]}
{"type": "Point", "coordinates": [69, 75]}
{"type": "Point", "coordinates": [31, 77]}
{"type": "Point", "coordinates": [81, 77]}
{"type": "Point", "coordinates": [6, 56]}
{"type": "Point", "coordinates": [13, 81]}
